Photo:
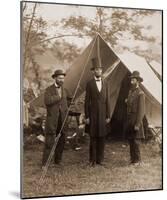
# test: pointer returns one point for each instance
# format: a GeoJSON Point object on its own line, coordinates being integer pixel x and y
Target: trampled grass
{"type": "Point", "coordinates": [75, 176]}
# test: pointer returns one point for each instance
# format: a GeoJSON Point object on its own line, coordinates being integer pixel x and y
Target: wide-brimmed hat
{"type": "Point", "coordinates": [136, 74]}
{"type": "Point", "coordinates": [58, 72]}
{"type": "Point", "coordinates": [95, 64]}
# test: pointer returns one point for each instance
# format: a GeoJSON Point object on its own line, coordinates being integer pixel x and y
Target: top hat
{"type": "Point", "coordinates": [58, 72]}
{"type": "Point", "coordinates": [136, 74]}
{"type": "Point", "coordinates": [95, 64]}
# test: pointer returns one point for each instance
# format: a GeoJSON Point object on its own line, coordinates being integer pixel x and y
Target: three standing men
{"type": "Point", "coordinates": [97, 113]}
{"type": "Point", "coordinates": [55, 99]}
{"type": "Point", "coordinates": [135, 113]}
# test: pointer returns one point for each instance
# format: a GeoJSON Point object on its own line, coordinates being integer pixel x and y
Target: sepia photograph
{"type": "Point", "coordinates": [91, 99]}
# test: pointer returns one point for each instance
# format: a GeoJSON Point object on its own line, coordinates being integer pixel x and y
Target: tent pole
{"type": "Point", "coordinates": [98, 51]}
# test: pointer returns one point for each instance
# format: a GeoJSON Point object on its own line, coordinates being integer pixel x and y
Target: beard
{"type": "Point", "coordinates": [59, 83]}
{"type": "Point", "coordinates": [133, 86]}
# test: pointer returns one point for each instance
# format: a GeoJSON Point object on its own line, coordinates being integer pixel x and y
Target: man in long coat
{"type": "Point", "coordinates": [97, 113]}
{"type": "Point", "coordinates": [135, 113]}
{"type": "Point", "coordinates": [56, 104]}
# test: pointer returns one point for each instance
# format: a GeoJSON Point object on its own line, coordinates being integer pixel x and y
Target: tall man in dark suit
{"type": "Point", "coordinates": [56, 104]}
{"type": "Point", "coordinates": [97, 113]}
{"type": "Point", "coordinates": [135, 113]}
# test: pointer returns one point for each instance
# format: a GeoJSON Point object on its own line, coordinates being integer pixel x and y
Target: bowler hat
{"type": "Point", "coordinates": [136, 74]}
{"type": "Point", "coordinates": [95, 64]}
{"type": "Point", "coordinates": [58, 72]}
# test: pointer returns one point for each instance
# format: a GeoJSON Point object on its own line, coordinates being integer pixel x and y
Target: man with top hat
{"type": "Point", "coordinates": [97, 113]}
{"type": "Point", "coordinates": [135, 113]}
{"type": "Point", "coordinates": [55, 99]}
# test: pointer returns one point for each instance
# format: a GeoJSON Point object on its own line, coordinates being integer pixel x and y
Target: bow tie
{"type": "Point", "coordinates": [98, 79]}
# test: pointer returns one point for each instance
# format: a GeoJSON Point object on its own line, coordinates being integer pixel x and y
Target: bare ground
{"type": "Point", "coordinates": [76, 177]}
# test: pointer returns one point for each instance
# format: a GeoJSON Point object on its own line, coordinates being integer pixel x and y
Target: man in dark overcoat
{"type": "Point", "coordinates": [97, 113]}
{"type": "Point", "coordinates": [135, 113]}
{"type": "Point", "coordinates": [55, 99]}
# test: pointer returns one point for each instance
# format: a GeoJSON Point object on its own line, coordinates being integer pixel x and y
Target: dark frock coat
{"type": "Point", "coordinates": [55, 106]}
{"type": "Point", "coordinates": [56, 111]}
{"type": "Point", "coordinates": [97, 108]}
{"type": "Point", "coordinates": [135, 113]}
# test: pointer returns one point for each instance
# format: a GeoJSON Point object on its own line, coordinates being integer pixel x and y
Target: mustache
{"type": "Point", "coordinates": [60, 82]}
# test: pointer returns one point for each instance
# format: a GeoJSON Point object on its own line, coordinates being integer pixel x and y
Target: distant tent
{"type": "Point", "coordinates": [151, 86]}
{"type": "Point", "coordinates": [117, 69]}
{"type": "Point", "coordinates": [157, 69]}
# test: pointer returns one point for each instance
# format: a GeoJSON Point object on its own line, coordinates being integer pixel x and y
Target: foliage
{"type": "Point", "coordinates": [113, 26]}
{"type": "Point", "coordinates": [33, 33]}
{"type": "Point", "coordinates": [64, 50]}
{"type": "Point", "coordinates": [37, 43]}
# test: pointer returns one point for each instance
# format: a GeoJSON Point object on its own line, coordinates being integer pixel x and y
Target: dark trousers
{"type": "Point", "coordinates": [96, 150]}
{"type": "Point", "coordinates": [50, 140]}
{"type": "Point", "coordinates": [134, 145]}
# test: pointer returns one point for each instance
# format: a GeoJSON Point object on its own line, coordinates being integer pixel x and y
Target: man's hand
{"type": "Point", "coordinates": [107, 120]}
{"type": "Point", "coordinates": [136, 128]}
{"type": "Point", "coordinates": [87, 121]}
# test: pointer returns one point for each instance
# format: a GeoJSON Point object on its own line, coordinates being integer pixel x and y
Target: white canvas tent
{"type": "Point", "coordinates": [157, 69]}
{"type": "Point", "coordinates": [116, 69]}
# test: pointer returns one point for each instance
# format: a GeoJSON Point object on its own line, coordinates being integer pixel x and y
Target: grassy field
{"type": "Point", "coordinates": [76, 177]}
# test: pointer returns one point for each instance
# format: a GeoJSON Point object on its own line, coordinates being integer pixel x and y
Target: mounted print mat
{"type": "Point", "coordinates": [91, 99]}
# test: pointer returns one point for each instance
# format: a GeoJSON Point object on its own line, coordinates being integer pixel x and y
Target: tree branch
{"type": "Point", "coordinates": [28, 34]}
{"type": "Point", "coordinates": [60, 36]}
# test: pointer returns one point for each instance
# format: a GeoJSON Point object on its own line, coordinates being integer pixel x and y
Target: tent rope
{"type": "Point", "coordinates": [44, 170]}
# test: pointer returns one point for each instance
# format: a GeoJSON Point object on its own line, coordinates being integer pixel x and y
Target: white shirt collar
{"type": "Point", "coordinates": [97, 78]}
{"type": "Point", "coordinates": [57, 86]}
{"type": "Point", "coordinates": [98, 83]}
